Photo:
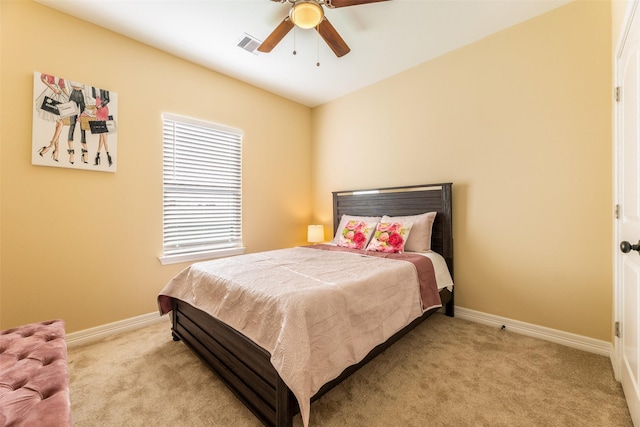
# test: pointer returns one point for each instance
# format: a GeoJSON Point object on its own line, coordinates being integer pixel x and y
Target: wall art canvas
{"type": "Point", "coordinates": [75, 125]}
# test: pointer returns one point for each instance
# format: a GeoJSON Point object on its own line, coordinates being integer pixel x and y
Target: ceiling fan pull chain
{"type": "Point", "coordinates": [294, 41]}
{"type": "Point", "coordinates": [317, 47]}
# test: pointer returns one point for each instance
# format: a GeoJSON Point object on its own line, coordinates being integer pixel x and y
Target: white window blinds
{"type": "Point", "coordinates": [202, 182]}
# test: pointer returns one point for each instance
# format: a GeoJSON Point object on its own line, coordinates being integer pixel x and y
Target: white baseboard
{"type": "Point", "coordinates": [580, 342]}
{"type": "Point", "coordinates": [559, 337]}
{"type": "Point", "coordinates": [103, 331]}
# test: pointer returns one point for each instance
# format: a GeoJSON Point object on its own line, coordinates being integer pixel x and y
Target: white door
{"type": "Point", "coordinates": [627, 262]}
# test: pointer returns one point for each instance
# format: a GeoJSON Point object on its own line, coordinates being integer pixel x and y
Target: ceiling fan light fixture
{"type": "Point", "coordinates": [306, 14]}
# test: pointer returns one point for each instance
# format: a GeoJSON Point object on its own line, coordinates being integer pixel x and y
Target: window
{"type": "Point", "coordinates": [202, 177]}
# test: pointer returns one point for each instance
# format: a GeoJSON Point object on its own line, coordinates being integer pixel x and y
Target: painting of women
{"type": "Point", "coordinates": [82, 107]}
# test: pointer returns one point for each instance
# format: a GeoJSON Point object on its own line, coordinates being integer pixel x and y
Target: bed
{"type": "Point", "coordinates": [248, 369]}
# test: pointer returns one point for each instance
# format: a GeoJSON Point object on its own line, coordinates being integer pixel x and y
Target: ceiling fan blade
{"type": "Point", "coordinates": [332, 38]}
{"type": "Point", "coordinates": [345, 3]}
{"type": "Point", "coordinates": [278, 34]}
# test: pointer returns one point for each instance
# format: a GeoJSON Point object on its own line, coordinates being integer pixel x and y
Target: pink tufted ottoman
{"type": "Point", "coordinates": [34, 380]}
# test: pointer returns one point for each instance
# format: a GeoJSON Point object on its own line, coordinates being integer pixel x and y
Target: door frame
{"type": "Point", "coordinates": [629, 15]}
{"type": "Point", "coordinates": [631, 19]}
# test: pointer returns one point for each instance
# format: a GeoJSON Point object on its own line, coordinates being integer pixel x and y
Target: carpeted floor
{"type": "Point", "coordinates": [446, 372]}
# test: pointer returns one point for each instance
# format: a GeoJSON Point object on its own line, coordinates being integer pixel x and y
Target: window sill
{"type": "Point", "coordinates": [199, 256]}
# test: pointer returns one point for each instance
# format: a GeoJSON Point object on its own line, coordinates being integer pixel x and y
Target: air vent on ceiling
{"type": "Point", "coordinates": [249, 43]}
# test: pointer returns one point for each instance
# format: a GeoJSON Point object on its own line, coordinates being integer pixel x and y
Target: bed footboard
{"type": "Point", "coordinates": [245, 367]}
{"type": "Point", "coordinates": [241, 364]}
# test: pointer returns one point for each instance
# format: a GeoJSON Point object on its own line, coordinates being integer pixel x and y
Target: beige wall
{"type": "Point", "coordinates": [520, 122]}
{"type": "Point", "coordinates": [83, 245]}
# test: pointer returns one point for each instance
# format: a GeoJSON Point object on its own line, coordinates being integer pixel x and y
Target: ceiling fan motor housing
{"type": "Point", "coordinates": [306, 13]}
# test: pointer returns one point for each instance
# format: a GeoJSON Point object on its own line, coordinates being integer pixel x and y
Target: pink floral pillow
{"type": "Point", "coordinates": [356, 234]}
{"type": "Point", "coordinates": [390, 237]}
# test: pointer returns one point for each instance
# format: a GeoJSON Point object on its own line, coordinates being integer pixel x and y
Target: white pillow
{"type": "Point", "coordinates": [420, 238]}
{"type": "Point", "coordinates": [347, 218]}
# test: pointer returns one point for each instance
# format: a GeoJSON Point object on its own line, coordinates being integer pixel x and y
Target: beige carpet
{"type": "Point", "coordinates": [447, 372]}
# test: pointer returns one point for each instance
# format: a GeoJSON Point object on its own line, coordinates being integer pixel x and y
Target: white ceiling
{"type": "Point", "coordinates": [385, 38]}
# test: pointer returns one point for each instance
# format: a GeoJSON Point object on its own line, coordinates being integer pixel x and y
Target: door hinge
{"type": "Point", "coordinates": [617, 93]}
{"type": "Point", "coordinates": [618, 330]}
{"type": "Point", "coordinates": [617, 211]}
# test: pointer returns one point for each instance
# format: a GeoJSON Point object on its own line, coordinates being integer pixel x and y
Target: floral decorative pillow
{"type": "Point", "coordinates": [346, 218]}
{"type": "Point", "coordinates": [356, 234]}
{"type": "Point", "coordinates": [390, 237]}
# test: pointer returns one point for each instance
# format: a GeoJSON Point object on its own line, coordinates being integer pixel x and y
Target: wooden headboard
{"type": "Point", "coordinates": [402, 201]}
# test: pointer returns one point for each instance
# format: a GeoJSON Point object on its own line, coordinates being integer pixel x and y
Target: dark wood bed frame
{"type": "Point", "coordinates": [245, 367]}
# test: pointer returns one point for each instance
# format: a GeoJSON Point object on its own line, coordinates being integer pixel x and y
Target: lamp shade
{"type": "Point", "coordinates": [306, 14]}
{"type": "Point", "coordinates": [315, 233]}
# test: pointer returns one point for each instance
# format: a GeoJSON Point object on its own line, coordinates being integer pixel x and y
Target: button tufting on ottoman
{"type": "Point", "coordinates": [34, 379]}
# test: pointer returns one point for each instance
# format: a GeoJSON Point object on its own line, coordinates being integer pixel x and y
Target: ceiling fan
{"type": "Point", "coordinates": [310, 14]}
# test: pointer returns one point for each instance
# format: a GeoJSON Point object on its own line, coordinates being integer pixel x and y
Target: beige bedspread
{"type": "Point", "coordinates": [315, 311]}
